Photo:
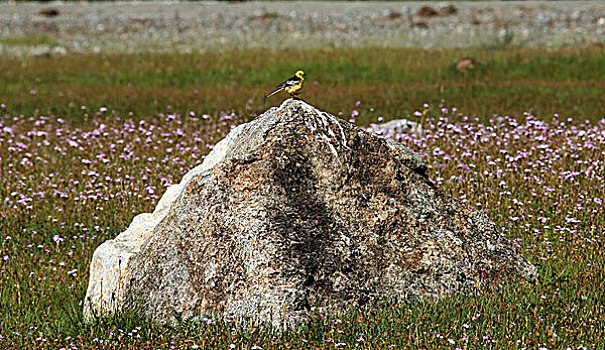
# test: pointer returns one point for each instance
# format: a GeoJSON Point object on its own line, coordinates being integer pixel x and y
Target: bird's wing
{"type": "Point", "coordinates": [290, 82]}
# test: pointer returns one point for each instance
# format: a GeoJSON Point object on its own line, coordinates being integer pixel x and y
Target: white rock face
{"type": "Point", "coordinates": [397, 125]}
{"type": "Point", "coordinates": [110, 260]}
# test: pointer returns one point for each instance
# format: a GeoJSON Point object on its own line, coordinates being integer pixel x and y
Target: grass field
{"type": "Point", "coordinates": [394, 81]}
{"type": "Point", "coordinates": [86, 142]}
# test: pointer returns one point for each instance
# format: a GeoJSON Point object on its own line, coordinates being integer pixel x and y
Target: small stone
{"type": "Point", "coordinates": [448, 10]}
{"type": "Point", "coordinates": [58, 51]}
{"type": "Point", "coordinates": [465, 64]}
{"type": "Point", "coordinates": [40, 51]}
{"type": "Point", "coordinates": [50, 12]}
{"type": "Point", "coordinates": [427, 11]}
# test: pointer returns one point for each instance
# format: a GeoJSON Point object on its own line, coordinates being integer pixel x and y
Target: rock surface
{"type": "Point", "coordinates": [298, 211]}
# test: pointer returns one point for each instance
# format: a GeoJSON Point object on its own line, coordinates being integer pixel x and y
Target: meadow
{"type": "Point", "coordinates": [89, 141]}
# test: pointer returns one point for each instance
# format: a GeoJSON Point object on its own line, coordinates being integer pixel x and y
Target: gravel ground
{"type": "Point", "coordinates": [211, 26]}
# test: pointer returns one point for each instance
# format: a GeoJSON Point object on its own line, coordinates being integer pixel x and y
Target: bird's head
{"type": "Point", "coordinates": [300, 74]}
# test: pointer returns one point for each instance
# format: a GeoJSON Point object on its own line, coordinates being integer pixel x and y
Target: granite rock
{"type": "Point", "coordinates": [294, 212]}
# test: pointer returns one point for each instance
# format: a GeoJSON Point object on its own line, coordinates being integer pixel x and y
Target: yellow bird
{"type": "Point", "coordinates": [291, 86]}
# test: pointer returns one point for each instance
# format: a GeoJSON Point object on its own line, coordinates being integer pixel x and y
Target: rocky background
{"type": "Point", "coordinates": [62, 28]}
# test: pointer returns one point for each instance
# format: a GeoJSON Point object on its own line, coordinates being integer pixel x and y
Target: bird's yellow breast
{"type": "Point", "coordinates": [294, 88]}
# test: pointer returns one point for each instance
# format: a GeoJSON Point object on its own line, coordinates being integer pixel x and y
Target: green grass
{"type": "Point", "coordinates": [393, 81]}
{"type": "Point", "coordinates": [29, 40]}
{"type": "Point", "coordinates": [40, 295]}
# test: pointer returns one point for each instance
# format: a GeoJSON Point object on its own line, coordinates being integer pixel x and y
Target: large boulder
{"type": "Point", "coordinates": [298, 211]}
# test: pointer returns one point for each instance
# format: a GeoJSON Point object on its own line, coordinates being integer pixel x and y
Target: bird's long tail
{"type": "Point", "coordinates": [273, 93]}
